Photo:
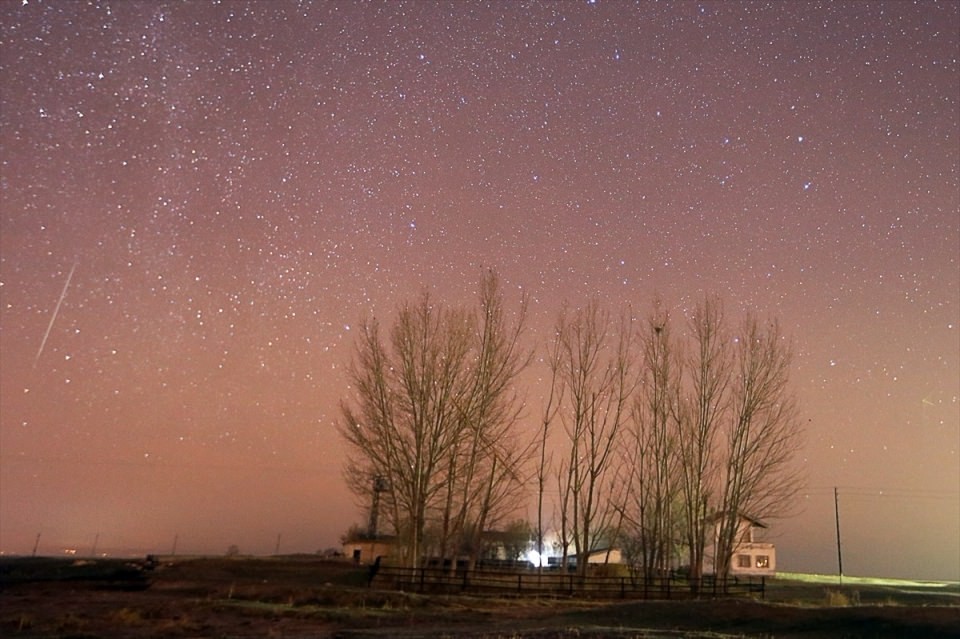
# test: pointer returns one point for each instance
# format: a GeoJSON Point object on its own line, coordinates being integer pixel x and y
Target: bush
{"type": "Point", "coordinates": [609, 570]}
{"type": "Point", "coordinates": [841, 599]}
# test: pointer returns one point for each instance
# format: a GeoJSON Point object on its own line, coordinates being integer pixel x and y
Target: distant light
{"type": "Point", "coordinates": [534, 558]}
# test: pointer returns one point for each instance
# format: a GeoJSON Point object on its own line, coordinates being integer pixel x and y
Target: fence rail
{"type": "Point", "coordinates": [555, 583]}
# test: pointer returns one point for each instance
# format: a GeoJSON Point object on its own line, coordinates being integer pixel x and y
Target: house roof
{"type": "Point", "coordinates": [743, 516]}
{"type": "Point", "coordinates": [363, 539]}
{"type": "Point", "coordinates": [605, 550]}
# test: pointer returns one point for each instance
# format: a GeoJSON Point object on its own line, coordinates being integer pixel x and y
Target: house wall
{"type": "Point", "coordinates": [366, 551]}
{"type": "Point", "coordinates": [750, 558]}
{"type": "Point", "coordinates": [612, 556]}
{"type": "Point", "coordinates": [754, 559]}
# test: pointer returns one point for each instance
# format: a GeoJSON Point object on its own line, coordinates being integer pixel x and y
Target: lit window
{"type": "Point", "coordinates": [763, 561]}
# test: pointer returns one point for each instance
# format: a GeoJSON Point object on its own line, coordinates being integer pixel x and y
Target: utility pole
{"type": "Point", "coordinates": [836, 511]}
{"type": "Point", "coordinates": [276, 551]}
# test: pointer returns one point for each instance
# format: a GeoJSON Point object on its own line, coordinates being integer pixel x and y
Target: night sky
{"type": "Point", "coordinates": [201, 201]}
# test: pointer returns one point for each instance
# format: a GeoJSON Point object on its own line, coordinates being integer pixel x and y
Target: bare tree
{"type": "Point", "coordinates": [764, 432]}
{"type": "Point", "coordinates": [653, 452]}
{"type": "Point", "coordinates": [554, 399]}
{"type": "Point", "coordinates": [432, 427]}
{"type": "Point", "coordinates": [493, 461]}
{"type": "Point", "coordinates": [700, 417]}
{"type": "Point", "coordinates": [405, 420]}
{"type": "Point", "coordinates": [595, 371]}
{"type": "Point", "coordinates": [435, 416]}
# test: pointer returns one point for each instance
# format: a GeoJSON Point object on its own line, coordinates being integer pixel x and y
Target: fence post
{"type": "Point", "coordinates": [519, 583]}
{"type": "Point", "coordinates": [623, 590]}
{"type": "Point", "coordinates": [422, 574]}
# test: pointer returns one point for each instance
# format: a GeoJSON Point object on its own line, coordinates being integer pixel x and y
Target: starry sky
{"type": "Point", "coordinates": [202, 200]}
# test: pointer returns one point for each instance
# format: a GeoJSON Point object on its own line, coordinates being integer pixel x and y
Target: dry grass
{"type": "Point", "coordinates": [841, 598]}
{"type": "Point", "coordinates": [306, 597]}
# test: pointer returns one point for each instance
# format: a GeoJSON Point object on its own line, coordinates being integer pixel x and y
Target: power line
{"type": "Point", "coordinates": [882, 493]}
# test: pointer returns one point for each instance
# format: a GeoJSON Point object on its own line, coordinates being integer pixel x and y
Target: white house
{"type": "Point", "coordinates": [750, 557]}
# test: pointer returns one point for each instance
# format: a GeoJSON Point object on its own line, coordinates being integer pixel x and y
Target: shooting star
{"type": "Point", "coordinates": [56, 310]}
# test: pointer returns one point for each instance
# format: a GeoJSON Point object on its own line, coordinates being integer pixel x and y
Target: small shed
{"type": "Point", "coordinates": [605, 556]}
{"type": "Point", "coordinates": [366, 551]}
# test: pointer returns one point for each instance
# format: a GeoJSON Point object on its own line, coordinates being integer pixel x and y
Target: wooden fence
{"type": "Point", "coordinates": [555, 583]}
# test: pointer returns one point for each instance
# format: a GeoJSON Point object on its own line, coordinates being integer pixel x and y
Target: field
{"type": "Point", "coordinates": [310, 597]}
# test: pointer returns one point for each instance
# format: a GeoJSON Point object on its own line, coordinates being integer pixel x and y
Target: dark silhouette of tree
{"type": "Point", "coordinates": [700, 419]}
{"type": "Point", "coordinates": [661, 435]}
{"type": "Point", "coordinates": [434, 413]}
{"type": "Point", "coordinates": [652, 448]}
{"type": "Point", "coordinates": [763, 433]}
{"type": "Point", "coordinates": [594, 370]}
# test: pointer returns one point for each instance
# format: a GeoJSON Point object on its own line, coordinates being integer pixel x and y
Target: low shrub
{"type": "Point", "coordinates": [842, 599]}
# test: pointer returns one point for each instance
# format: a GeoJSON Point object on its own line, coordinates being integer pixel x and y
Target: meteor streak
{"type": "Point", "coordinates": [56, 310]}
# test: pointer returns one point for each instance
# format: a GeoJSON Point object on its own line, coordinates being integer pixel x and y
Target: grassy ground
{"type": "Point", "coordinates": [308, 597]}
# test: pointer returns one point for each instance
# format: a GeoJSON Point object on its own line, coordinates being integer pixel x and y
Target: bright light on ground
{"type": "Point", "coordinates": [865, 581]}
